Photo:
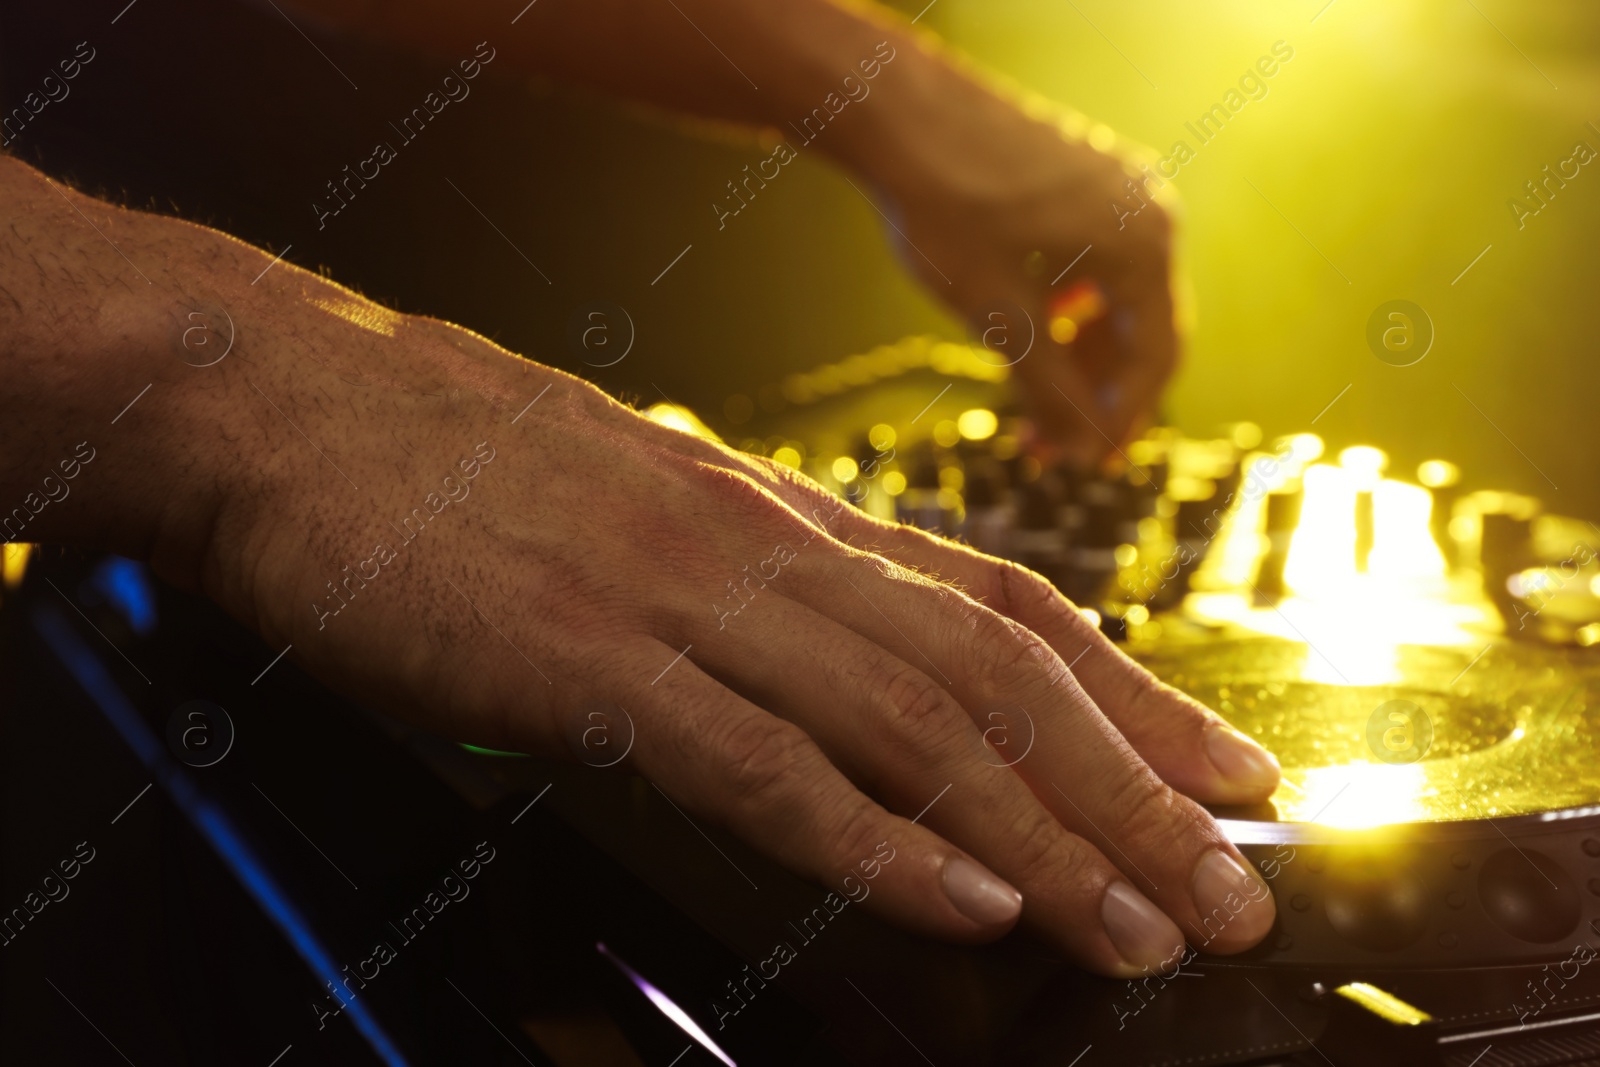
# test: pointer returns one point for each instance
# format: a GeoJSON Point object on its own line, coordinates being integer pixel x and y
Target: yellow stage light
{"type": "Point", "coordinates": [1438, 474]}
{"type": "Point", "coordinates": [13, 562]}
{"type": "Point", "coordinates": [978, 424]}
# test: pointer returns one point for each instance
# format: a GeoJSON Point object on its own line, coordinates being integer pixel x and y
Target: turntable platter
{"type": "Point", "coordinates": [1448, 815]}
{"type": "Point", "coordinates": [1458, 734]}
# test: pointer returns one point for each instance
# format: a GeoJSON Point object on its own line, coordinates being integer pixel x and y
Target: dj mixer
{"type": "Point", "coordinates": [1417, 650]}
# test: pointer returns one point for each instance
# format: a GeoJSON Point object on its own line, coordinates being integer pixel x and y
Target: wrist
{"type": "Point", "coordinates": [852, 84]}
{"type": "Point", "coordinates": [944, 133]}
{"type": "Point", "coordinates": [884, 136]}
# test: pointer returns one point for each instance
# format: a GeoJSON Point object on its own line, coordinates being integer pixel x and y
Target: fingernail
{"type": "Point", "coordinates": [979, 895]}
{"type": "Point", "coordinates": [1238, 758]}
{"type": "Point", "coordinates": [1236, 908]}
{"type": "Point", "coordinates": [1139, 930]}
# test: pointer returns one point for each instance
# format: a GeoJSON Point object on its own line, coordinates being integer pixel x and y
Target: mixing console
{"type": "Point", "coordinates": [1183, 519]}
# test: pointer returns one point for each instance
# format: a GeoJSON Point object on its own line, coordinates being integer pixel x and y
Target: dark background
{"type": "Point", "coordinates": [224, 114]}
{"type": "Point", "coordinates": [1378, 167]}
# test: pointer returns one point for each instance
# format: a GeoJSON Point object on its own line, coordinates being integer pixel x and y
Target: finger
{"type": "Point", "coordinates": [901, 734]}
{"type": "Point", "coordinates": [1190, 747]}
{"type": "Point", "coordinates": [1081, 768]}
{"type": "Point", "coordinates": [726, 760]}
{"type": "Point", "coordinates": [1065, 406]}
{"type": "Point", "coordinates": [1103, 382]}
{"type": "Point", "coordinates": [1143, 335]}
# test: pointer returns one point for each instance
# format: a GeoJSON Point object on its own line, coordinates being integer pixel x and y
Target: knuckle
{"type": "Point", "coordinates": [1018, 592]}
{"type": "Point", "coordinates": [860, 828]}
{"type": "Point", "coordinates": [1003, 651]}
{"type": "Point", "coordinates": [1148, 814]}
{"type": "Point", "coordinates": [742, 499]}
{"type": "Point", "coordinates": [1149, 699]}
{"type": "Point", "coordinates": [1039, 848]}
{"type": "Point", "coordinates": [760, 758]}
{"type": "Point", "coordinates": [915, 711]}
{"type": "Point", "coordinates": [782, 475]}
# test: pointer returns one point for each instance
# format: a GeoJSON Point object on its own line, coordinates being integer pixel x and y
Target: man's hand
{"type": "Point", "coordinates": [990, 196]}
{"type": "Point", "coordinates": [1004, 212]}
{"type": "Point", "coordinates": [495, 550]}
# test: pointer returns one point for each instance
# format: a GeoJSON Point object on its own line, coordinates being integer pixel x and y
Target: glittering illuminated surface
{"type": "Point", "coordinates": [1366, 620]}
{"type": "Point", "coordinates": [1513, 732]}
{"type": "Point", "coordinates": [362, 313]}
{"type": "Point", "coordinates": [1320, 675]}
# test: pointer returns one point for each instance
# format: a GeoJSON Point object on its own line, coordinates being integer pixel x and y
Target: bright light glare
{"type": "Point", "coordinates": [1322, 554]}
{"type": "Point", "coordinates": [1365, 462]}
{"type": "Point", "coordinates": [679, 418]}
{"type": "Point", "coordinates": [1403, 546]}
{"type": "Point", "coordinates": [1246, 435]}
{"type": "Point", "coordinates": [1437, 474]}
{"type": "Point", "coordinates": [979, 424]}
{"type": "Point", "coordinates": [1359, 795]}
{"type": "Point", "coordinates": [1307, 447]}
{"type": "Point", "coordinates": [667, 1007]}
{"type": "Point", "coordinates": [1351, 624]}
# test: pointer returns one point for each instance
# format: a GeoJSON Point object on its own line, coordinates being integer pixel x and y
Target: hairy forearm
{"type": "Point", "coordinates": [159, 380]}
{"type": "Point", "coordinates": [759, 62]}
{"type": "Point", "coordinates": [90, 298]}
